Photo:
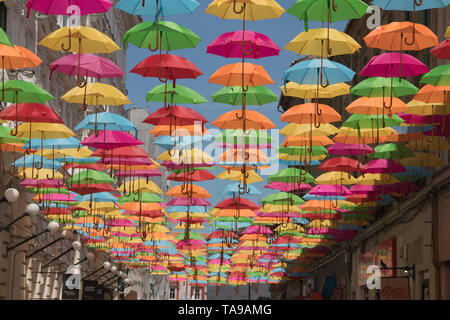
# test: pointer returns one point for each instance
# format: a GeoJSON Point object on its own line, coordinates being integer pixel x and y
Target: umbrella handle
{"type": "Point", "coordinates": [416, 3]}
{"type": "Point", "coordinates": [244, 89]}
{"type": "Point", "coordinates": [321, 80]}
{"type": "Point", "coordinates": [53, 175]}
{"type": "Point", "coordinates": [143, 4]}
{"type": "Point", "coordinates": [334, 6]}
{"type": "Point", "coordinates": [32, 174]}
{"type": "Point", "coordinates": [70, 42]}
{"type": "Point", "coordinates": [81, 84]}
{"type": "Point", "coordinates": [238, 11]}
{"type": "Point", "coordinates": [239, 117]}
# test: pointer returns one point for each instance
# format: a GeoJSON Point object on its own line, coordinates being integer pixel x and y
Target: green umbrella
{"type": "Point", "coordinates": [24, 91]}
{"type": "Point", "coordinates": [6, 137]}
{"type": "Point", "coordinates": [4, 39]}
{"type": "Point", "coordinates": [282, 198]}
{"type": "Point", "coordinates": [381, 87]}
{"type": "Point", "coordinates": [192, 235]}
{"type": "Point", "coordinates": [296, 151]}
{"type": "Point", "coordinates": [255, 96]}
{"type": "Point", "coordinates": [144, 197]}
{"type": "Point", "coordinates": [391, 151]}
{"type": "Point", "coordinates": [171, 36]}
{"type": "Point", "coordinates": [362, 121]}
{"type": "Point", "coordinates": [180, 94]}
{"type": "Point", "coordinates": [236, 136]}
{"type": "Point", "coordinates": [291, 175]}
{"type": "Point", "coordinates": [90, 177]}
{"type": "Point", "coordinates": [439, 76]}
{"type": "Point", "coordinates": [317, 10]}
{"type": "Point", "coordinates": [48, 190]}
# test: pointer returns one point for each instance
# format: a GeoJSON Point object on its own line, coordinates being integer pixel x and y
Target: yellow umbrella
{"type": "Point", "coordinates": [421, 159]}
{"type": "Point", "coordinates": [187, 157]}
{"type": "Point", "coordinates": [303, 130]}
{"type": "Point", "coordinates": [38, 174]}
{"type": "Point", "coordinates": [190, 226]}
{"type": "Point", "coordinates": [289, 227]}
{"type": "Point", "coordinates": [140, 185]}
{"type": "Point", "coordinates": [79, 39]}
{"type": "Point", "coordinates": [271, 208]}
{"type": "Point", "coordinates": [83, 152]}
{"type": "Point", "coordinates": [335, 177]}
{"type": "Point", "coordinates": [427, 109]}
{"type": "Point", "coordinates": [376, 179]}
{"type": "Point", "coordinates": [252, 10]}
{"type": "Point", "coordinates": [97, 205]}
{"type": "Point", "coordinates": [193, 215]}
{"type": "Point", "coordinates": [314, 42]}
{"type": "Point", "coordinates": [287, 157]}
{"type": "Point", "coordinates": [366, 133]}
{"type": "Point", "coordinates": [95, 94]}
{"type": "Point", "coordinates": [322, 224]}
{"type": "Point", "coordinates": [43, 130]}
{"type": "Point", "coordinates": [253, 177]}
{"type": "Point", "coordinates": [309, 91]}
{"type": "Point", "coordinates": [429, 143]}
{"type": "Point", "coordinates": [447, 33]}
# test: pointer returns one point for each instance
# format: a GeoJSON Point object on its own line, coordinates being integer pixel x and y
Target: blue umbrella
{"type": "Point", "coordinates": [296, 163]}
{"type": "Point", "coordinates": [408, 5]}
{"type": "Point", "coordinates": [80, 160]}
{"type": "Point", "coordinates": [36, 161]}
{"type": "Point", "coordinates": [185, 209]}
{"type": "Point", "coordinates": [218, 256]}
{"type": "Point", "coordinates": [168, 142]}
{"type": "Point", "coordinates": [97, 197]}
{"type": "Point", "coordinates": [311, 72]}
{"type": "Point", "coordinates": [166, 8]}
{"type": "Point", "coordinates": [413, 172]}
{"type": "Point", "coordinates": [406, 130]}
{"type": "Point", "coordinates": [218, 240]}
{"type": "Point", "coordinates": [233, 190]}
{"type": "Point", "coordinates": [66, 143]}
{"type": "Point", "coordinates": [106, 121]}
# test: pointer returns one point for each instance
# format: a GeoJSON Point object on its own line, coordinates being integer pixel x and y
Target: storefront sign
{"type": "Point", "coordinates": [394, 288]}
{"type": "Point", "coordinates": [69, 291]}
{"type": "Point", "coordinates": [92, 290]}
{"type": "Point", "coordinates": [385, 251]}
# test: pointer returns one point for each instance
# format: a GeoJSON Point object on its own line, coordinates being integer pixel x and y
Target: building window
{"type": "Point", "coordinates": [196, 293]}
{"type": "Point", "coordinates": [172, 293]}
{"type": "Point", "coordinates": [3, 11]}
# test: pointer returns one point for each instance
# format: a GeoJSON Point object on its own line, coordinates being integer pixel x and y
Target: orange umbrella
{"type": "Point", "coordinates": [295, 141]}
{"type": "Point", "coordinates": [439, 95]}
{"type": "Point", "coordinates": [183, 192]}
{"type": "Point", "coordinates": [230, 75]}
{"type": "Point", "coordinates": [237, 155]}
{"type": "Point", "coordinates": [236, 120]}
{"type": "Point", "coordinates": [136, 206]}
{"type": "Point", "coordinates": [375, 105]}
{"type": "Point", "coordinates": [401, 36]}
{"type": "Point", "coordinates": [12, 147]}
{"type": "Point", "coordinates": [303, 113]}
{"type": "Point", "coordinates": [340, 138]}
{"type": "Point", "coordinates": [18, 58]}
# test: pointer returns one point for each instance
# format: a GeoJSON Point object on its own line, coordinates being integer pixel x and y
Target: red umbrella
{"type": "Point", "coordinates": [30, 112]}
{"type": "Point", "coordinates": [199, 175]}
{"type": "Point", "coordinates": [237, 203]}
{"type": "Point", "coordinates": [442, 51]}
{"type": "Point", "coordinates": [341, 164]}
{"type": "Point", "coordinates": [167, 67]}
{"type": "Point", "coordinates": [182, 115]}
{"type": "Point", "coordinates": [91, 188]}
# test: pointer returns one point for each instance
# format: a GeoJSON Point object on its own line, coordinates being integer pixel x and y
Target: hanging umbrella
{"type": "Point", "coordinates": [442, 50]}
{"type": "Point", "coordinates": [303, 113]}
{"type": "Point", "coordinates": [253, 96]}
{"type": "Point", "coordinates": [62, 7]}
{"type": "Point", "coordinates": [393, 64]}
{"type": "Point", "coordinates": [4, 39]}
{"type": "Point", "coordinates": [256, 45]}
{"type": "Point", "coordinates": [175, 115]}
{"type": "Point", "coordinates": [249, 10]}
{"type": "Point", "coordinates": [232, 75]}
{"type": "Point", "coordinates": [164, 35]}
{"type": "Point", "coordinates": [107, 139]}
{"type": "Point", "coordinates": [381, 87]}
{"type": "Point", "coordinates": [309, 91]}
{"type": "Point", "coordinates": [107, 121]}
{"type": "Point", "coordinates": [177, 95]}
{"type": "Point", "coordinates": [163, 8]}
{"type": "Point", "coordinates": [253, 120]}
{"type": "Point", "coordinates": [438, 76]}
{"type": "Point", "coordinates": [29, 112]}
{"type": "Point", "coordinates": [375, 105]}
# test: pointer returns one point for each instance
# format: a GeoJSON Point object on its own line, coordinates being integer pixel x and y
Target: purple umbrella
{"type": "Point", "coordinates": [349, 149]}
{"type": "Point", "coordinates": [383, 166]}
{"type": "Point", "coordinates": [86, 65]}
{"type": "Point", "coordinates": [393, 64]}
{"type": "Point", "coordinates": [256, 45]}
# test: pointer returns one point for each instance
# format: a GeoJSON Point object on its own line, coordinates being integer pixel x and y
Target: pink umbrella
{"type": "Point", "coordinates": [175, 166]}
{"type": "Point", "coordinates": [329, 190]}
{"type": "Point", "coordinates": [108, 139]}
{"type": "Point", "coordinates": [59, 7]}
{"type": "Point", "coordinates": [286, 187]}
{"type": "Point", "coordinates": [247, 146]}
{"type": "Point", "coordinates": [349, 149]}
{"type": "Point", "coordinates": [343, 235]}
{"type": "Point", "coordinates": [278, 214]}
{"type": "Point", "coordinates": [32, 183]}
{"type": "Point", "coordinates": [58, 197]}
{"type": "Point", "coordinates": [138, 173]}
{"type": "Point", "coordinates": [383, 166]}
{"type": "Point", "coordinates": [257, 230]}
{"type": "Point", "coordinates": [390, 64]}
{"type": "Point", "coordinates": [256, 45]}
{"type": "Point", "coordinates": [219, 261]}
{"type": "Point", "coordinates": [120, 223]}
{"type": "Point", "coordinates": [129, 161]}
{"type": "Point", "coordinates": [401, 187]}
{"type": "Point", "coordinates": [86, 65]}
{"type": "Point", "coordinates": [412, 118]}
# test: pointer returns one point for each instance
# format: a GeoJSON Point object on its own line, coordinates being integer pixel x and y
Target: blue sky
{"type": "Point", "coordinates": [208, 27]}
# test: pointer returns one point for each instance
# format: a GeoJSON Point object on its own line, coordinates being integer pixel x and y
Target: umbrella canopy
{"type": "Point", "coordinates": [303, 113]}
{"type": "Point", "coordinates": [62, 7]}
{"type": "Point", "coordinates": [95, 94]}
{"type": "Point", "coordinates": [393, 64]}
{"type": "Point", "coordinates": [247, 74]}
{"type": "Point", "coordinates": [86, 65]}
{"type": "Point", "coordinates": [30, 112]}
{"type": "Point", "coordinates": [107, 139]}
{"type": "Point", "coordinates": [309, 91]}
{"type": "Point", "coordinates": [4, 39]}
{"type": "Point", "coordinates": [253, 120]}
{"type": "Point", "coordinates": [227, 9]}
{"type": "Point", "coordinates": [229, 45]}
{"type": "Point", "coordinates": [179, 94]}
{"type": "Point", "coordinates": [165, 8]}
{"type": "Point", "coordinates": [106, 121]}
{"type": "Point", "coordinates": [254, 96]}
{"type": "Point", "coordinates": [174, 114]}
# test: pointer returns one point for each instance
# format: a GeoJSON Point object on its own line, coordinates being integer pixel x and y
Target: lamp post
{"type": "Point", "coordinates": [31, 211]}
{"type": "Point", "coordinates": [53, 226]}
{"type": "Point", "coordinates": [76, 245]}
{"type": "Point", "coordinates": [66, 234]}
